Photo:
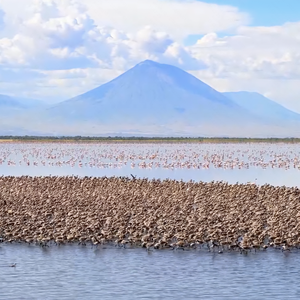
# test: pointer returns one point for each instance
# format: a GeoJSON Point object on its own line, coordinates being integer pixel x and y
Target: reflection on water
{"type": "Point", "coordinates": [78, 272]}
{"type": "Point", "coordinates": [276, 164]}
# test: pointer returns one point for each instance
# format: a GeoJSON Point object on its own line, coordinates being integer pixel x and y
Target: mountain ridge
{"type": "Point", "coordinates": [151, 92]}
{"type": "Point", "coordinates": [262, 106]}
{"type": "Point", "coordinates": [160, 99]}
{"type": "Point", "coordinates": [7, 101]}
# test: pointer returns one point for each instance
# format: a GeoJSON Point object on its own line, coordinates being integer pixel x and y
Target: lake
{"type": "Point", "coordinates": [83, 272]}
{"type": "Point", "coordinates": [78, 272]}
{"type": "Point", "coordinates": [276, 164]}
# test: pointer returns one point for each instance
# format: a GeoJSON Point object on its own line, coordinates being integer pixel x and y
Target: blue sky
{"type": "Point", "coordinates": [56, 49]}
{"type": "Point", "coordinates": [262, 13]}
{"type": "Point", "coordinates": [266, 12]}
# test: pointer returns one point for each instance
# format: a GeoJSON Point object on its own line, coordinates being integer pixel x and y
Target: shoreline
{"type": "Point", "coordinates": [146, 140]}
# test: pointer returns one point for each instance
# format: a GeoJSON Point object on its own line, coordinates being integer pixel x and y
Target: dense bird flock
{"type": "Point", "coordinates": [146, 213]}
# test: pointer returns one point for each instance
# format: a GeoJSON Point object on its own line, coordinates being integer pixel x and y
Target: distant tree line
{"type": "Point", "coordinates": [151, 139]}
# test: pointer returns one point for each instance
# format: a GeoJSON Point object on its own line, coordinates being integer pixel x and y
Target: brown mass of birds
{"type": "Point", "coordinates": [146, 213]}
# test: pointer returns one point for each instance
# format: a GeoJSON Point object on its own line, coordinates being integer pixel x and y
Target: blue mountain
{"type": "Point", "coordinates": [263, 107]}
{"type": "Point", "coordinates": [162, 100]}
{"type": "Point", "coordinates": [9, 102]}
{"type": "Point", "coordinates": [13, 112]}
{"type": "Point", "coordinates": [154, 94]}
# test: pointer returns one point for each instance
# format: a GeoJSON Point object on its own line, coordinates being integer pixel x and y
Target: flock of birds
{"type": "Point", "coordinates": [153, 214]}
{"type": "Point", "coordinates": [150, 156]}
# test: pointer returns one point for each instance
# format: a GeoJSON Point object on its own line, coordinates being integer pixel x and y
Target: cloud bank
{"type": "Point", "coordinates": [56, 49]}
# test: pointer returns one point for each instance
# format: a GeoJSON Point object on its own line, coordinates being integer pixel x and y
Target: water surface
{"type": "Point", "coordinates": [276, 164]}
{"type": "Point", "coordinates": [78, 272]}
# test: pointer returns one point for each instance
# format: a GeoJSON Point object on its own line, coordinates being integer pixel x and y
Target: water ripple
{"type": "Point", "coordinates": [74, 272]}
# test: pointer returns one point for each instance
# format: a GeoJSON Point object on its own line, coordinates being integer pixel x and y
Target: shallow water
{"type": "Point", "coordinates": [276, 164]}
{"type": "Point", "coordinates": [78, 272]}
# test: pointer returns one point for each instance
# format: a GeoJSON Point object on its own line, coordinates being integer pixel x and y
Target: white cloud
{"type": "Point", "coordinates": [263, 52]}
{"type": "Point", "coordinates": [60, 24]}
{"type": "Point", "coordinates": [56, 34]}
{"type": "Point", "coordinates": [75, 81]}
{"type": "Point", "coordinates": [152, 41]}
{"type": "Point", "coordinates": [53, 85]}
{"type": "Point", "coordinates": [61, 35]}
{"type": "Point", "coordinates": [262, 59]}
{"type": "Point", "coordinates": [177, 17]}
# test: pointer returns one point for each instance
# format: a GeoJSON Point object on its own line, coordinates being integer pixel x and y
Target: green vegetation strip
{"type": "Point", "coordinates": [68, 139]}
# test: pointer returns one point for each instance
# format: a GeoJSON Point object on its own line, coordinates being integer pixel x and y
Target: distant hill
{"type": "Point", "coordinates": [13, 107]}
{"type": "Point", "coordinates": [13, 114]}
{"type": "Point", "coordinates": [150, 92]}
{"type": "Point", "coordinates": [7, 101]}
{"type": "Point", "coordinates": [19, 102]}
{"type": "Point", "coordinates": [263, 107]}
{"type": "Point", "coordinates": [154, 99]}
